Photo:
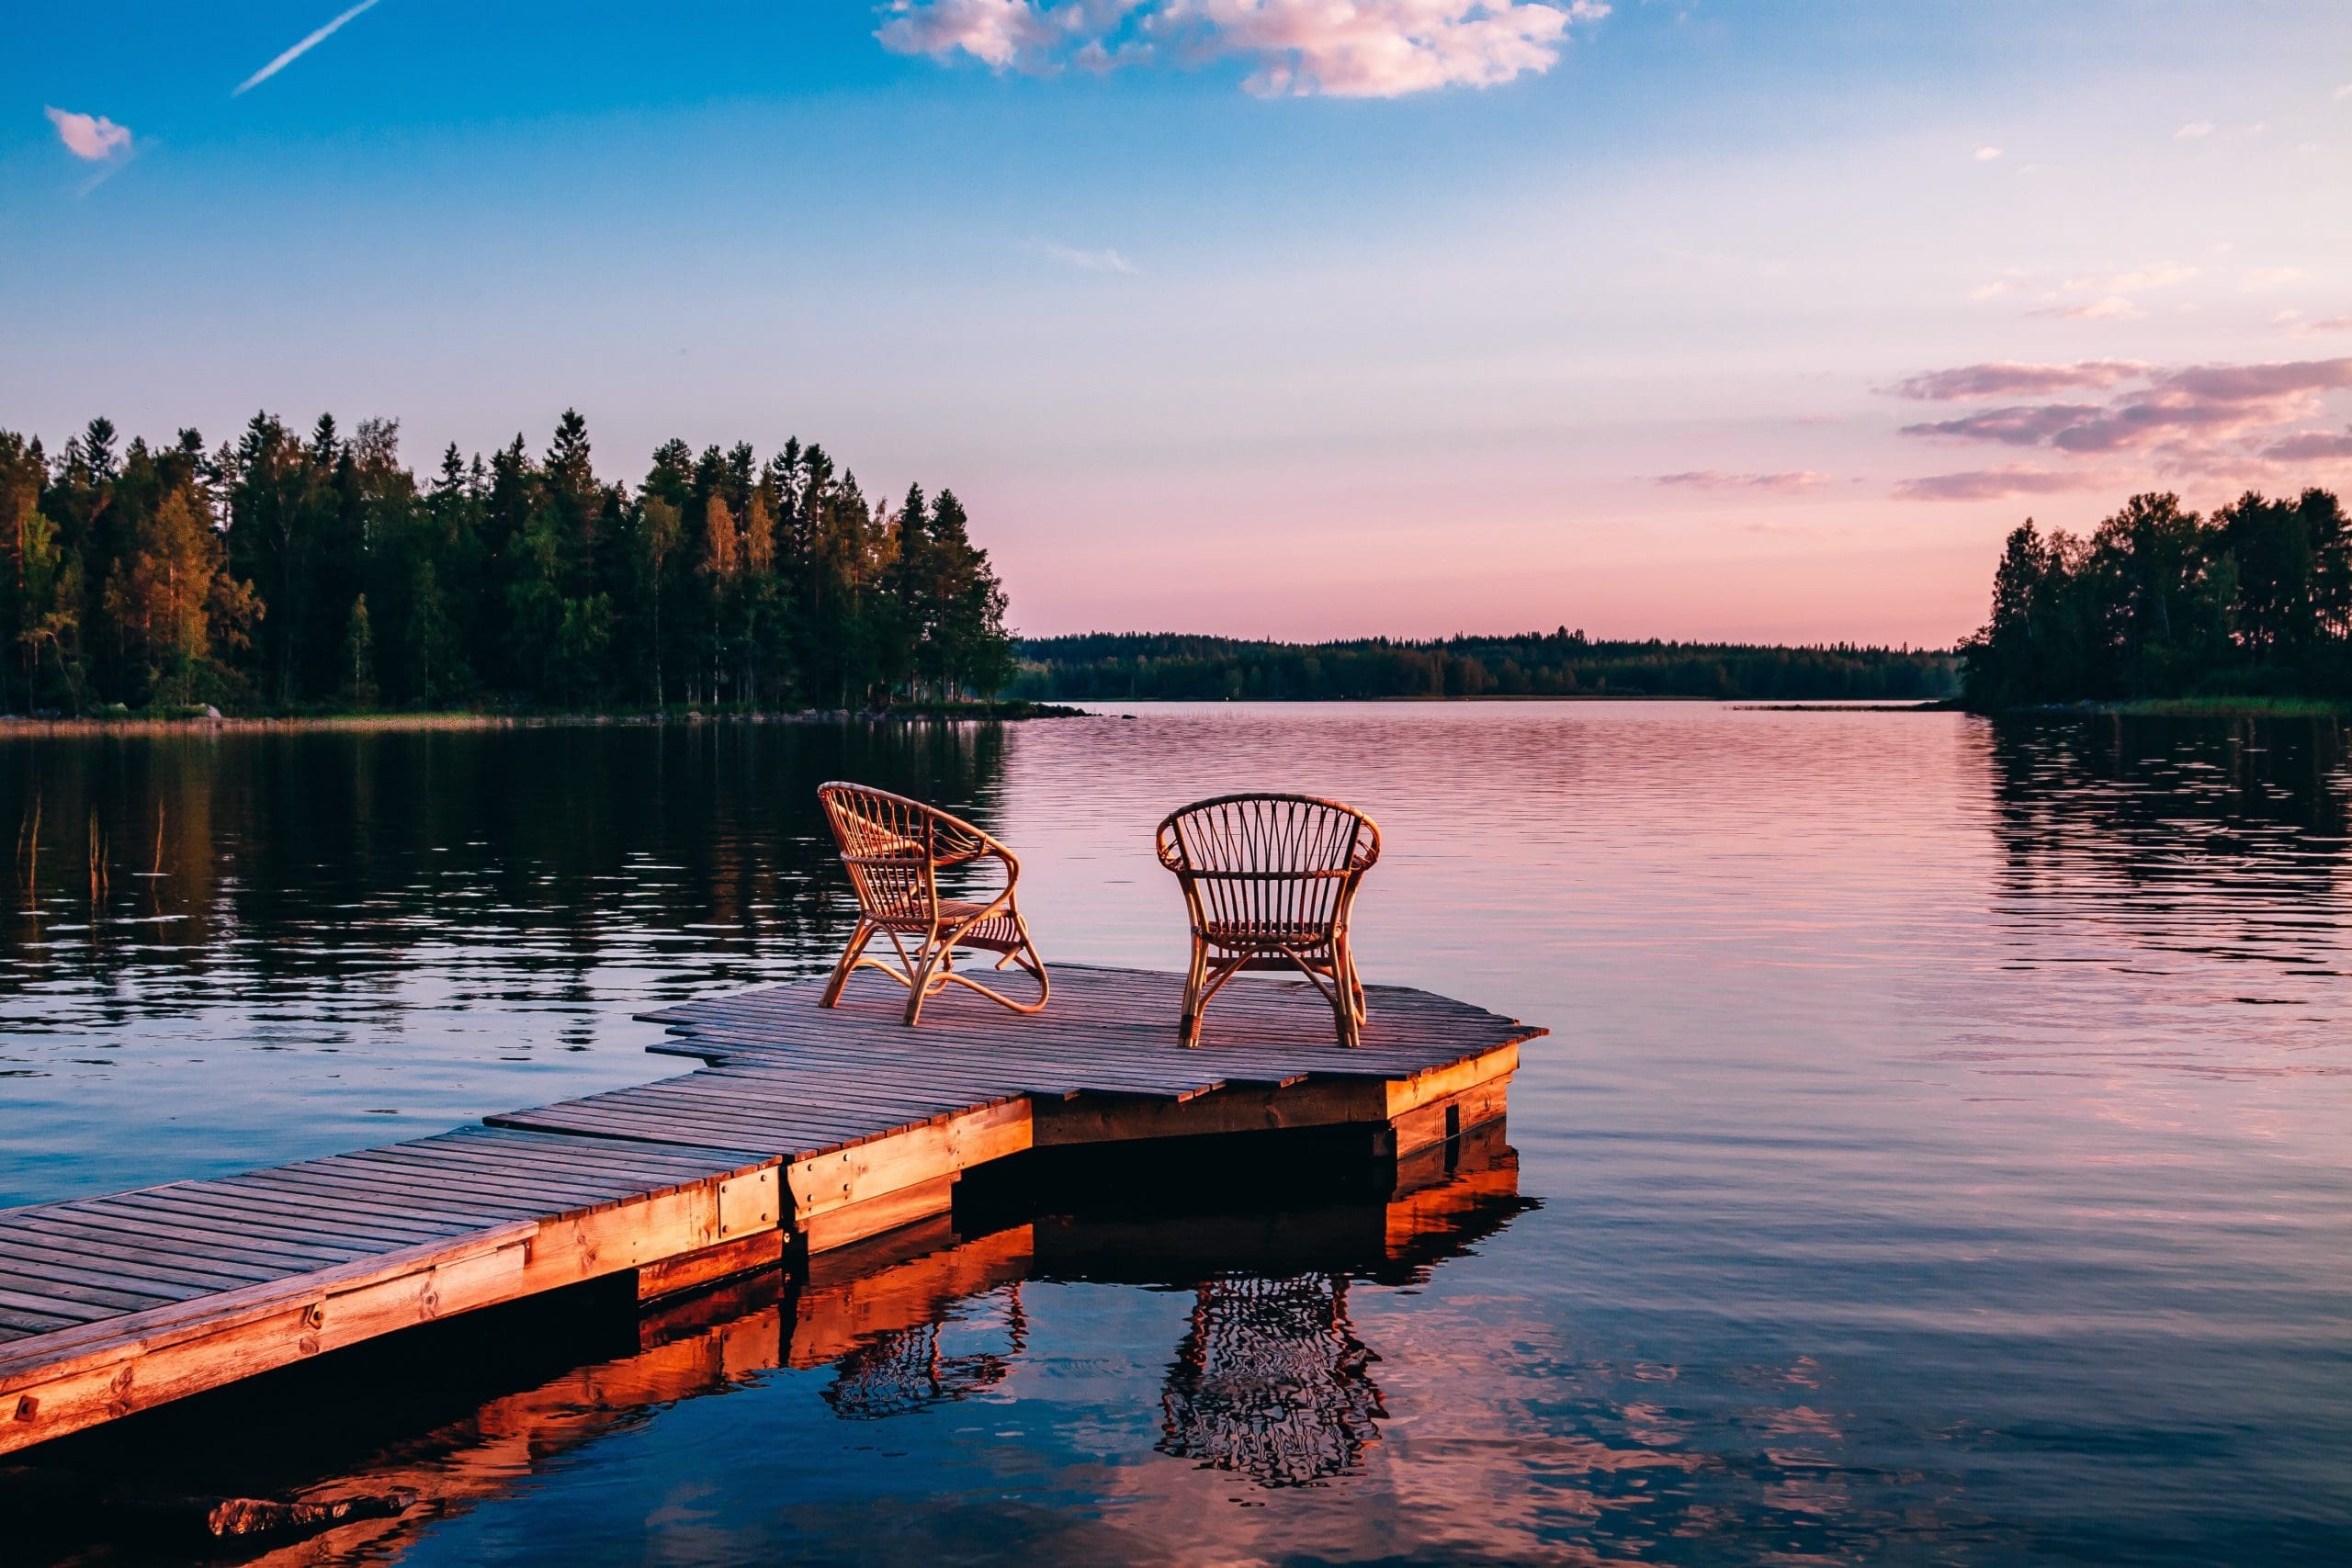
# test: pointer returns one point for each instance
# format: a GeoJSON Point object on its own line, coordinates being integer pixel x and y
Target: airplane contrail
{"type": "Point", "coordinates": [299, 50]}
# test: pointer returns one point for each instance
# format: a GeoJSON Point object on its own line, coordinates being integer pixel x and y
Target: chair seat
{"type": "Point", "coordinates": [1248, 934]}
{"type": "Point", "coordinates": [999, 933]}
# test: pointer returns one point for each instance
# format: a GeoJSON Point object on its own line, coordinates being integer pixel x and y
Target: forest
{"type": "Point", "coordinates": [1112, 666]}
{"type": "Point", "coordinates": [287, 573]}
{"type": "Point", "coordinates": [2158, 600]}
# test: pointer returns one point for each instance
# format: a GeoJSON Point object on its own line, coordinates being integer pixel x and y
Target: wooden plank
{"type": "Point", "coordinates": [843, 1224]}
{"type": "Point", "coordinates": [45, 1305]}
{"type": "Point", "coordinates": [679, 1163]}
{"type": "Point", "coordinates": [254, 1213]}
{"type": "Point", "coordinates": [560, 1194]}
{"type": "Point", "coordinates": [824, 1182]}
{"type": "Point", "coordinates": [1441, 1120]}
{"type": "Point", "coordinates": [30, 1250]}
{"type": "Point", "coordinates": [78, 1376]}
{"type": "Point", "coordinates": [376, 1193]}
{"type": "Point", "coordinates": [744, 1255]}
{"type": "Point", "coordinates": [1094, 1119]}
{"type": "Point", "coordinates": [140, 1246]}
{"type": "Point", "coordinates": [133, 1227]}
{"type": "Point", "coordinates": [1440, 1082]}
{"type": "Point", "coordinates": [274, 1229]}
{"type": "Point", "coordinates": [425, 1182]}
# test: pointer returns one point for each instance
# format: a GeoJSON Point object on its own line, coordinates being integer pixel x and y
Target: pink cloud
{"type": "Point", "coordinates": [2311, 446]}
{"type": "Point", "coordinates": [2249, 383]}
{"type": "Point", "coordinates": [92, 137]}
{"type": "Point", "coordinates": [1995, 484]}
{"type": "Point", "coordinates": [1382, 48]}
{"type": "Point", "coordinates": [1003, 33]}
{"type": "Point", "coordinates": [1373, 49]}
{"type": "Point", "coordinates": [2025, 425]}
{"type": "Point", "coordinates": [2203, 420]}
{"type": "Point", "coordinates": [1716, 479]}
{"type": "Point", "coordinates": [2010, 379]}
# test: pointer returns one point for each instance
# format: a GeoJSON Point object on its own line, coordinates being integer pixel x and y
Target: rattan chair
{"type": "Point", "coordinates": [1268, 881]}
{"type": "Point", "coordinates": [894, 850]}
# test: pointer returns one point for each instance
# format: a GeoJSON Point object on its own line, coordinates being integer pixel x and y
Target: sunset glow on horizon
{"type": "Point", "coordinates": [1715, 319]}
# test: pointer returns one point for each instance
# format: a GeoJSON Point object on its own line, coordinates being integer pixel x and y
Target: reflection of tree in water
{"type": "Point", "coordinates": [1272, 1382]}
{"type": "Point", "coordinates": [241, 861]}
{"type": "Point", "coordinates": [2225, 823]}
{"type": "Point", "coordinates": [905, 1369]}
{"type": "Point", "coordinates": [2133, 796]}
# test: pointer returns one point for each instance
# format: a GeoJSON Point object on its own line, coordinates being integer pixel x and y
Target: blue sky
{"type": "Point", "coordinates": [1308, 316]}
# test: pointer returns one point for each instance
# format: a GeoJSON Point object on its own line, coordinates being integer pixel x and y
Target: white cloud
{"type": "Point", "coordinates": [2138, 281]}
{"type": "Point", "coordinates": [1089, 260]}
{"type": "Point", "coordinates": [317, 37]}
{"type": "Point", "coordinates": [2114, 308]}
{"type": "Point", "coordinates": [90, 136]}
{"type": "Point", "coordinates": [1373, 49]}
{"type": "Point", "coordinates": [2295, 321]}
{"type": "Point", "coordinates": [2193, 129]}
{"type": "Point", "coordinates": [2344, 93]}
{"type": "Point", "coordinates": [2262, 277]}
{"type": "Point", "coordinates": [2110, 295]}
{"type": "Point", "coordinates": [1987, 154]}
{"type": "Point", "coordinates": [1792, 483]}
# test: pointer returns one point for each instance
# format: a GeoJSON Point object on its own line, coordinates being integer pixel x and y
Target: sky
{"type": "Point", "coordinates": [1741, 318]}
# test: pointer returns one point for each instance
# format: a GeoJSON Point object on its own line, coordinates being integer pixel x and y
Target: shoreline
{"type": "Point", "coordinates": [2190, 708]}
{"type": "Point", "coordinates": [22, 725]}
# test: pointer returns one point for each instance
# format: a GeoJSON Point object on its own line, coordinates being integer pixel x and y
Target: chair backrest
{"type": "Point", "coordinates": [1282, 861]}
{"type": "Point", "coordinates": [892, 848]}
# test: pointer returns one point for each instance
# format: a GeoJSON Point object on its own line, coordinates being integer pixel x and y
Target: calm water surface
{"type": "Point", "coordinates": [1943, 1152]}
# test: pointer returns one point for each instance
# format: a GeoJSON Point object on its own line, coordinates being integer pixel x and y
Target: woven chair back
{"type": "Point", "coordinates": [1274, 864]}
{"type": "Point", "coordinates": [889, 845]}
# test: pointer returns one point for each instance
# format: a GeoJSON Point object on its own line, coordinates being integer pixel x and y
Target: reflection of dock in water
{"type": "Point", "coordinates": [803, 1131]}
{"type": "Point", "coordinates": [873, 1313]}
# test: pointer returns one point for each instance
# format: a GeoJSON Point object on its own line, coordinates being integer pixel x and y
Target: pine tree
{"type": "Point", "coordinates": [721, 563]}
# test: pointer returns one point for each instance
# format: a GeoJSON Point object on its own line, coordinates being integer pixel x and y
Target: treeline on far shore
{"type": "Point", "coordinates": [2158, 602]}
{"type": "Point", "coordinates": [1105, 667]}
{"type": "Point", "coordinates": [289, 573]}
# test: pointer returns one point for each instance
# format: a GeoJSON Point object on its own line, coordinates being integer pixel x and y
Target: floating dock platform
{"type": "Point", "coordinates": [803, 1131]}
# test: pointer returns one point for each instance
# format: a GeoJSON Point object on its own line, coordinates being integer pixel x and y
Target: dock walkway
{"type": "Point", "coordinates": [801, 1129]}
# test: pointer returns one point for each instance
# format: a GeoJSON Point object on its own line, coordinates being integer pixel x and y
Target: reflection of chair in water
{"type": "Point", "coordinates": [904, 1370]}
{"type": "Point", "coordinates": [1272, 1382]}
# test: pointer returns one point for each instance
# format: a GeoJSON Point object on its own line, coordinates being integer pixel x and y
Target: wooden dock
{"type": "Point", "coordinates": [803, 1129]}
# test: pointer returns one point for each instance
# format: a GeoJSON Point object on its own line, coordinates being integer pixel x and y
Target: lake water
{"type": "Point", "coordinates": [1942, 1152]}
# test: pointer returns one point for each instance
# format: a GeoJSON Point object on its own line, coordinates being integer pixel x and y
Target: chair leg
{"type": "Point", "coordinates": [858, 939]}
{"type": "Point", "coordinates": [1188, 1029]}
{"type": "Point", "coordinates": [934, 956]}
{"type": "Point", "coordinates": [1347, 994]}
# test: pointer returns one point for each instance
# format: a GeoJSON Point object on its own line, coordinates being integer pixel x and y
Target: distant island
{"type": "Point", "coordinates": [2160, 605]}
{"type": "Point", "coordinates": [1116, 666]}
